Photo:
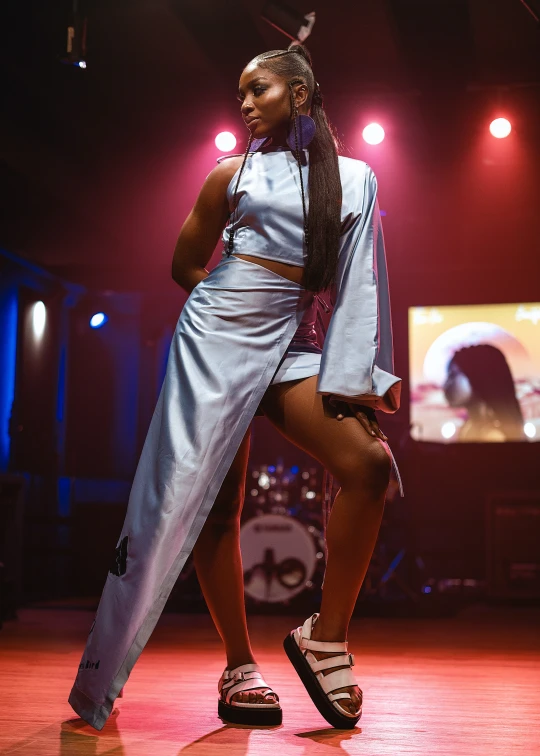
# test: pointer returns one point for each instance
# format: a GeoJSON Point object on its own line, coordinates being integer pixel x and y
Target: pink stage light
{"type": "Point", "coordinates": [373, 133]}
{"type": "Point", "coordinates": [225, 141]}
{"type": "Point", "coordinates": [500, 128]}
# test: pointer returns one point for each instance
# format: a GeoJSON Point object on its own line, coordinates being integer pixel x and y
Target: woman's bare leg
{"type": "Point", "coordinates": [218, 563]}
{"type": "Point", "coordinates": [361, 464]}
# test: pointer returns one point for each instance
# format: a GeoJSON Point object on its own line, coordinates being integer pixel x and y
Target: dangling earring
{"type": "Point", "coordinates": [302, 129]}
{"type": "Point", "coordinates": [304, 132]}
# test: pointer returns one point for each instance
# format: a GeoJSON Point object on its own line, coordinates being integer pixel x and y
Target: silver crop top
{"type": "Point", "coordinates": [268, 220]}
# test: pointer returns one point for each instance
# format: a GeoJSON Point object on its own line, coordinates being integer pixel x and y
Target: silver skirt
{"type": "Point", "coordinates": [229, 344]}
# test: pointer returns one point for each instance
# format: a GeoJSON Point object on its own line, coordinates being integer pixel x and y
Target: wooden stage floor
{"type": "Point", "coordinates": [466, 685]}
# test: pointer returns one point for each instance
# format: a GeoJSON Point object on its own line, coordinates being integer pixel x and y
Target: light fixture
{"type": "Point", "coordinates": [39, 318]}
{"type": "Point", "coordinates": [373, 133]}
{"type": "Point", "coordinates": [225, 141]}
{"type": "Point", "coordinates": [297, 26]}
{"type": "Point", "coordinates": [500, 128]}
{"type": "Point", "coordinates": [98, 320]}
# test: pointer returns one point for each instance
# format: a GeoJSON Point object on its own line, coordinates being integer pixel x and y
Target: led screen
{"type": "Point", "coordinates": [475, 373]}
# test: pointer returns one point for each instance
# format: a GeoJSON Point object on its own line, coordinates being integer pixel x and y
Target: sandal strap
{"type": "Point", "coordinates": [333, 661]}
{"type": "Point", "coordinates": [246, 685]}
{"type": "Point", "coordinates": [243, 678]}
{"type": "Point", "coordinates": [306, 644]}
{"type": "Point", "coordinates": [255, 678]}
{"type": "Point", "coordinates": [328, 646]}
{"type": "Point", "coordinates": [338, 696]}
{"type": "Point", "coordinates": [229, 674]}
{"type": "Point", "coordinates": [341, 678]}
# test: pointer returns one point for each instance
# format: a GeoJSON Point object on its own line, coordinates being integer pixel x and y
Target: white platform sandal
{"type": "Point", "coordinates": [298, 646]}
{"type": "Point", "coordinates": [238, 680]}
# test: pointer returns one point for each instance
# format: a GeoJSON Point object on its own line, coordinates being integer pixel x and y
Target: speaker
{"type": "Point", "coordinates": [513, 545]}
{"type": "Point", "coordinates": [11, 543]}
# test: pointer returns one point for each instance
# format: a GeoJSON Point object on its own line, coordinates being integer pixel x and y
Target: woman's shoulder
{"type": "Point", "coordinates": [221, 175]}
{"type": "Point", "coordinates": [353, 166]}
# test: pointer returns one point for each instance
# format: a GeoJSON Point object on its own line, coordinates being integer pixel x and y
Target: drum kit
{"type": "Point", "coordinates": [283, 549]}
{"type": "Point", "coordinates": [281, 535]}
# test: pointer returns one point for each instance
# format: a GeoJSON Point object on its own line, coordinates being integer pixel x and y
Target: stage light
{"type": "Point", "coordinates": [75, 50]}
{"type": "Point", "coordinates": [448, 430]}
{"type": "Point", "coordinates": [271, 468]}
{"type": "Point", "coordinates": [264, 481]}
{"type": "Point", "coordinates": [295, 469]}
{"type": "Point", "coordinates": [529, 430]}
{"type": "Point", "coordinates": [288, 21]}
{"type": "Point", "coordinates": [39, 318]}
{"type": "Point", "coordinates": [373, 133]}
{"type": "Point", "coordinates": [500, 128]}
{"type": "Point", "coordinates": [225, 141]}
{"type": "Point", "coordinates": [98, 320]}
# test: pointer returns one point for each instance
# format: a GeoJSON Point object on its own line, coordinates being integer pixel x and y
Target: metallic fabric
{"type": "Point", "coordinates": [233, 337]}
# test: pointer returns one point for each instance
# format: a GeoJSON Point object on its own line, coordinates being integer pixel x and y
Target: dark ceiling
{"type": "Point", "coordinates": [100, 167]}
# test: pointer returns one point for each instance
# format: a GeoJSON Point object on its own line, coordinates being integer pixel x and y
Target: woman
{"type": "Point", "coordinates": [479, 379]}
{"type": "Point", "coordinates": [245, 344]}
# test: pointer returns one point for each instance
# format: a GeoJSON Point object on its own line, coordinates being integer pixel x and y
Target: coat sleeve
{"type": "Point", "coordinates": [357, 361]}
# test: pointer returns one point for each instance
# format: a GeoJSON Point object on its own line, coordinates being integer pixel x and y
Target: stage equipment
{"type": "Point", "coordinates": [288, 21]}
{"type": "Point", "coordinates": [281, 537]}
{"type": "Point", "coordinates": [11, 544]}
{"type": "Point", "coordinates": [533, 7]}
{"type": "Point", "coordinates": [464, 356]}
{"type": "Point", "coordinates": [225, 141]}
{"type": "Point", "coordinates": [98, 320]}
{"type": "Point", "coordinates": [281, 556]}
{"type": "Point", "coordinates": [500, 128]}
{"type": "Point", "coordinates": [75, 52]}
{"type": "Point", "coordinates": [512, 548]}
{"type": "Point", "coordinates": [373, 133]}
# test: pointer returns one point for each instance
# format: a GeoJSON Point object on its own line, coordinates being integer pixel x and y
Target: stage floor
{"type": "Point", "coordinates": [466, 685]}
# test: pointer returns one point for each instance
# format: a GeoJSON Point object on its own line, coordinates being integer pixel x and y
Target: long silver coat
{"type": "Point", "coordinates": [230, 338]}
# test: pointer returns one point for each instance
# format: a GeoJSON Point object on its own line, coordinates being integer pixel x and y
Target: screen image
{"type": "Point", "coordinates": [475, 373]}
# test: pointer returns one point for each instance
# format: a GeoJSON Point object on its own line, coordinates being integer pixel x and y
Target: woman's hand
{"type": "Point", "coordinates": [364, 415]}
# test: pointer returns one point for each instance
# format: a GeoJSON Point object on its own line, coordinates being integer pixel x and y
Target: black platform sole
{"type": "Point", "coordinates": [311, 684]}
{"type": "Point", "coordinates": [249, 716]}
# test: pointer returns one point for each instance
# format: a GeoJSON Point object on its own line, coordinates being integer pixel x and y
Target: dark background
{"type": "Point", "coordinates": [99, 168]}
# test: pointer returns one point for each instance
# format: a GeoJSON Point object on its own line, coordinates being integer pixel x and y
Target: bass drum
{"type": "Point", "coordinates": [280, 557]}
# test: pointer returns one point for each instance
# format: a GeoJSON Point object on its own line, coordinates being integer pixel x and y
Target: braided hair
{"type": "Point", "coordinates": [322, 225]}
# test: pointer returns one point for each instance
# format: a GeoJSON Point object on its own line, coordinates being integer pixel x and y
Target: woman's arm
{"type": "Point", "coordinates": [203, 226]}
{"type": "Point", "coordinates": [357, 362]}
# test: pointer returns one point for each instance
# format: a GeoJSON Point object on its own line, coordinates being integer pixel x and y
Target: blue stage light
{"type": "Point", "coordinates": [295, 469]}
{"type": "Point", "coordinates": [98, 320]}
{"type": "Point", "coordinates": [271, 468]}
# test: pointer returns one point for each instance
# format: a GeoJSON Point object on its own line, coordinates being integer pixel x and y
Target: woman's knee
{"type": "Point", "coordinates": [367, 466]}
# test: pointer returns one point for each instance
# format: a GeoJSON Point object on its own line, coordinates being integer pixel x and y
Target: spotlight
{"type": "Point", "coordinates": [98, 320]}
{"type": "Point", "coordinates": [448, 430]}
{"type": "Point", "coordinates": [225, 141]}
{"type": "Point", "coordinates": [373, 133]}
{"type": "Point", "coordinates": [530, 430]}
{"type": "Point", "coordinates": [39, 318]}
{"type": "Point", "coordinates": [75, 50]}
{"type": "Point", "coordinates": [288, 21]}
{"type": "Point", "coordinates": [500, 128]}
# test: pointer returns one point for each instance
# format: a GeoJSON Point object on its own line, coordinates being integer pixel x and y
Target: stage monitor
{"type": "Point", "coordinates": [475, 373]}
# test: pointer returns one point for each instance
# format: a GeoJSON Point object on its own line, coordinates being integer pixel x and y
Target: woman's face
{"type": "Point", "coordinates": [457, 388]}
{"type": "Point", "coordinates": [266, 104]}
